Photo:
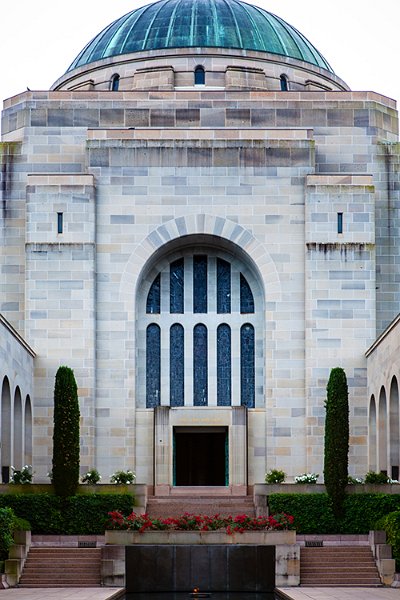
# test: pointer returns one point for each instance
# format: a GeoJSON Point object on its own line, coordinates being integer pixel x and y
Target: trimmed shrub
{"type": "Point", "coordinates": [336, 449]}
{"type": "Point", "coordinates": [391, 524]}
{"type": "Point", "coordinates": [313, 512]}
{"type": "Point", "coordinates": [275, 476]}
{"type": "Point", "coordinates": [376, 478]}
{"type": "Point", "coordinates": [7, 517]}
{"type": "Point", "coordinates": [75, 515]}
{"type": "Point", "coordinates": [65, 472]}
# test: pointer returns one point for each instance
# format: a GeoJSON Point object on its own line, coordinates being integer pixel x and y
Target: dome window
{"type": "Point", "coordinates": [114, 83]}
{"type": "Point", "coordinates": [199, 76]}
{"type": "Point", "coordinates": [284, 83]}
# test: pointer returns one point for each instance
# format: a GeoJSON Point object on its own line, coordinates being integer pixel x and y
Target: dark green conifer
{"type": "Point", "coordinates": [336, 452]}
{"type": "Point", "coordinates": [65, 474]}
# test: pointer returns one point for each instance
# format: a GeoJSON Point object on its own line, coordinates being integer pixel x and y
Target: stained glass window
{"type": "Point", "coordinates": [246, 296]}
{"type": "Point", "coordinates": [223, 286]}
{"type": "Point", "coordinates": [224, 378]}
{"type": "Point", "coordinates": [153, 365]}
{"type": "Point", "coordinates": [214, 282]}
{"type": "Point", "coordinates": [200, 366]}
{"type": "Point", "coordinates": [200, 284]}
{"type": "Point", "coordinates": [153, 297]}
{"type": "Point", "coordinates": [176, 365]}
{"type": "Point", "coordinates": [247, 366]}
{"type": "Point", "coordinates": [176, 289]}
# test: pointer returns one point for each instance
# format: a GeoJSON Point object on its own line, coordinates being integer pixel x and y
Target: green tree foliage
{"type": "Point", "coordinates": [7, 517]}
{"type": "Point", "coordinates": [336, 451]}
{"type": "Point", "coordinates": [66, 434]}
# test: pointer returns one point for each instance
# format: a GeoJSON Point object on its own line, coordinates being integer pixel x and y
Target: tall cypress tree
{"type": "Point", "coordinates": [336, 452]}
{"type": "Point", "coordinates": [66, 433]}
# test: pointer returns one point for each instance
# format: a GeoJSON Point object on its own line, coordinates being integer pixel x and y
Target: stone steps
{"type": "Point", "coordinates": [62, 567]}
{"type": "Point", "coordinates": [339, 566]}
{"type": "Point", "coordinates": [169, 506]}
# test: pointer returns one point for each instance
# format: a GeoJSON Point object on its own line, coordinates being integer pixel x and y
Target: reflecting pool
{"type": "Point", "coordinates": [200, 596]}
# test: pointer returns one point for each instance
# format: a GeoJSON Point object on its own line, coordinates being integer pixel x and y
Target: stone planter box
{"type": "Point", "coordinates": [261, 538]}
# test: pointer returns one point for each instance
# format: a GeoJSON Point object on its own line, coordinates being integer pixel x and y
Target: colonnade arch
{"type": "Point", "coordinates": [384, 430]}
{"type": "Point", "coordinates": [372, 435]}
{"type": "Point", "coordinates": [16, 429]}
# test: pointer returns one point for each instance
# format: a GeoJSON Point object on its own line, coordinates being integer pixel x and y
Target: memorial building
{"type": "Point", "coordinates": [201, 219]}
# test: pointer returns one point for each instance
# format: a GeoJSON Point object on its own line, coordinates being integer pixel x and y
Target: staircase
{"type": "Point", "coordinates": [175, 506]}
{"type": "Point", "coordinates": [61, 567]}
{"type": "Point", "coordinates": [338, 566]}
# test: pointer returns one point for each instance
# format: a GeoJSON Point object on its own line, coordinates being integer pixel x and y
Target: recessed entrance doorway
{"type": "Point", "coordinates": [201, 456]}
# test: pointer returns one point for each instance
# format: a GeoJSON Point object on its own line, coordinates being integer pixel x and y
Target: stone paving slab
{"type": "Point", "coordinates": [320, 593]}
{"type": "Point", "coordinates": [60, 593]}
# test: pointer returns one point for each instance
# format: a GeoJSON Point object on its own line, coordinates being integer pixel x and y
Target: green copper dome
{"type": "Point", "coordinates": [200, 23]}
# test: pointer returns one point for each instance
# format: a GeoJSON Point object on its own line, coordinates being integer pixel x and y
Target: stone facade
{"type": "Point", "coordinates": [298, 190]}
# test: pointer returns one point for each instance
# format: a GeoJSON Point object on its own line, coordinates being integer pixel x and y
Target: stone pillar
{"type": "Point", "coordinates": [238, 451]}
{"type": "Point", "coordinates": [162, 450]}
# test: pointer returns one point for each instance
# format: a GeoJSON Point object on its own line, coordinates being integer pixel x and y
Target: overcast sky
{"type": "Point", "coordinates": [359, 38]}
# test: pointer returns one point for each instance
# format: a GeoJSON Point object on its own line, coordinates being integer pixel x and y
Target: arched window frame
{"type": "Point", "coordinates": [199, 75]}
{"type": "Point", "coordinates": [211, 319]}
{"type": "Point", "coordinates": [114, 82]}
{"type": "Point", "coordinates": [284, 82]}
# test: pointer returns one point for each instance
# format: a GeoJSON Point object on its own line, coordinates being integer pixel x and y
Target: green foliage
{"type": "Point", "coordinates": [336, 450]}
{"type": "Point", "coordinates": [20, 524]}
{"type": "Point", "coordinates": [307, 478]}
{"type": "Point", "coordinates": [275, 476]}
{"type": "Point", "coordinates": [75, 515]}
{"type": "Point", "coordinates": [7, 517]}
{"type": "Point", "coordinates": [376, 478]}
{"type": "Point", "coordinates": [354, 480]}
{"type": "Point", "coordinates": [313, 512]}
{"type": "Point", "coordinates": [22, 476]}
{"type": "Point", "coordinates": [123, 477]}
{"type": "Point", "coordinates": [391, 524]}
{"type": "Point", "coordinates": [91, 477]}
{"type": "Point", "coordinates": [65, 473]}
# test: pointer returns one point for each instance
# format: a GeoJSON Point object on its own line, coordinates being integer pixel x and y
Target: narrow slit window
{"type": "Point", "coordinates": [284, 83]}
{"type": "Point", "coordinates": [340, 222]}
{"type": "Point", "coordinates": [60, 222]}
{"type": "Point", "coordinates": [199, 76]}
{"type": "Point", "coordinates": [115, 83]}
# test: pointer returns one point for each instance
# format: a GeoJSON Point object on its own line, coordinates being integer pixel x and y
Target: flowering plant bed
{"type": "Point", "coordinates": [190, 522]}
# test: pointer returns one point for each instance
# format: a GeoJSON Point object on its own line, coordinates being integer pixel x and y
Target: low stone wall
{"type": "Point", "coordinates": [17, 556]}
{"type": "Point", "coordinates": [383, 556]}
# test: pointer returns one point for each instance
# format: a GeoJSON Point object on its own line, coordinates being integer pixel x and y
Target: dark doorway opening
{"type": "Point", "coordinates": [201, 456]}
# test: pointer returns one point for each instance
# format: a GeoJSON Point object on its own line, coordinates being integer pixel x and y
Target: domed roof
{"type": "Point", "coordinates": [200, 23]}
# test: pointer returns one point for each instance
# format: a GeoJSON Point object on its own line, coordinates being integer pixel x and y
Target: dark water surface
{"type": "Point", "coordinates": [200, 596]}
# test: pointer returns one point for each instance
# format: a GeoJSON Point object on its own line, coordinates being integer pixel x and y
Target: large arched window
{"type": "Point", "coordinates": [199, 319]}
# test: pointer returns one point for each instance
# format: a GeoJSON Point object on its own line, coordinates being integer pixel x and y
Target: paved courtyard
{"type": "Point", "coordinates": [60, 593]}
{"type": "Point", "coordinates": [312, 593]}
